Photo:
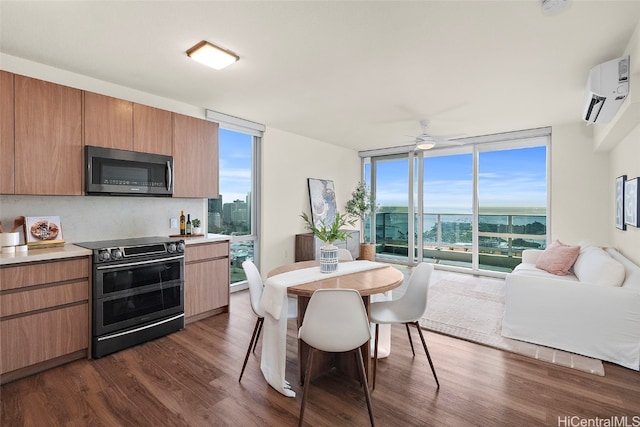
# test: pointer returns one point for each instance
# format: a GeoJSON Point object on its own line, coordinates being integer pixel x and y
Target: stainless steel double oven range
{"type": "Point", "coordinates": [137, 291]}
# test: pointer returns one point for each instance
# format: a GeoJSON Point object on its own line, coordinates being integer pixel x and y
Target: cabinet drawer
{"type": "Point", "coordinates": [23, 275]}
{"type": "Point", "coordinates": [36, 299]}
{"type": "Point", "coordinates": [207, 251]}
{"type": "Point", "coordinates": [28, 340]}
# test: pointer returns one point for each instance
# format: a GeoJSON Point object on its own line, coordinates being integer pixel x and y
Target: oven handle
{"type": "Point", "coordinates": [133, 264]}
{"type": "Point", "coordinates": [129, 331]}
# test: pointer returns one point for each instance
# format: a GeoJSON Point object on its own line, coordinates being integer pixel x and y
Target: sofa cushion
{"type": "Point", "coordinates": [596, 266]}
{"type": "Point", "coordinates": [531, 270]}
{"type": "Point", "coordinates": [558, 258]}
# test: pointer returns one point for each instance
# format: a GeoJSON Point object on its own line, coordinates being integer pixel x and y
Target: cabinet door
{"type": "Point", "coordinates": [195, 157]}
{"type": "Point", "coordinates": [48, 138]}
{"type": "Point", "coordinates": [206, 286]}
{"type": "Point", "coordinates": [108, 122]}
{"type": "Point", "coordinates": [152, 130]}
{"type": "Point", "coordinates": [7, 154]}
{"type": "Point", "coordinates": [43, 336]}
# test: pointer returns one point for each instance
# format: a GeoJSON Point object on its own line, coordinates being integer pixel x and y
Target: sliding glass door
{"type": "Point", "coordinates": [475, 206]}
{"type": "Point", "coordinates": [391, 191]}
{"type": "Point", "coordinates": [447, 229]}
{"type": "Point", "coordinates": [512, 204]}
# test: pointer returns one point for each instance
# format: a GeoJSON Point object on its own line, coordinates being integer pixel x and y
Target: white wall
{"type": "Point", "coordinates": [625, 160]}
{"type": "Point", "coordinates": [287, 161]}
{"type": "Point", "coordinates": [580, 187]}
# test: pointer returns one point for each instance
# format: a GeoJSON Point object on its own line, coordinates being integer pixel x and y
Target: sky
{"type": "Point", "coordinates": [507, 178]}
{"type": "Point", "coordinates": [235, 165]}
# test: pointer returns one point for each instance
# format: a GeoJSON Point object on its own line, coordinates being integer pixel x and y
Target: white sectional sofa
{"type": "Point", "coordinates": [594, 310]}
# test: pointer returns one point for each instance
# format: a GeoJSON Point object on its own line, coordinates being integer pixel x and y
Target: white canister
{"type": "Point", "coordinates": [10, 239]}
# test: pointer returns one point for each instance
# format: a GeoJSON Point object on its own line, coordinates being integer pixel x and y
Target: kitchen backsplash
{"type": "Point", "coordinates": [88, 218]}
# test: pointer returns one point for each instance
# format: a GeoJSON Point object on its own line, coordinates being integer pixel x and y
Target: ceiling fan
{"type": "Point", "coordinates": [426, 140]}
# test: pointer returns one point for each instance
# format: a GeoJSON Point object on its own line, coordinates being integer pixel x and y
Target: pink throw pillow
{"type": "Point", "coordinates": [558, 258]}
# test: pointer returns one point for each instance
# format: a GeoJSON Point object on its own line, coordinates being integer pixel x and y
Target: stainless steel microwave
{"type": "Point", "coordinates": [109, 171]}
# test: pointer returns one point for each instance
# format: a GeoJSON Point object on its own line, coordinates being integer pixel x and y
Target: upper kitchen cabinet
{"type": "Point", "coordinates": [152, 130]}
{"type": "Point", "coordinates": [48, 138]}
{"type": "Point", "coordinates": [108, 122]}
{"type": "Point", "coordinates": [7, 153]}
{"type": "Point", "coordinates": [195, 157]}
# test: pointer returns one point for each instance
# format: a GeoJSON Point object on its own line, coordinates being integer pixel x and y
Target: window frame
{"type": "Point", "coordinates": [256, 131]}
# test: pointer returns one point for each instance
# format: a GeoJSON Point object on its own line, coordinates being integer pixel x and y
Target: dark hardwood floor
{"type": "Point", "coordinates": [190, 378]}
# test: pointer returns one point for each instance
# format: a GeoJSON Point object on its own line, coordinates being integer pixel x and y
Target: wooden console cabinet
{"type": "Point", "coordinates": [44, 315]}
{"type": "Point", "coordinates": [308, 246]}
{"type": "Point", "coordinates": [206, 287]}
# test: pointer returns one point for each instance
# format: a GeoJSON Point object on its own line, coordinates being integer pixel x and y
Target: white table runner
{"type": "Point", "coordinates": [274, 305]}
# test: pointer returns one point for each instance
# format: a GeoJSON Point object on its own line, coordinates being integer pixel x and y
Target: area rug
{"type": "Point", "coordinates": [471, 308]}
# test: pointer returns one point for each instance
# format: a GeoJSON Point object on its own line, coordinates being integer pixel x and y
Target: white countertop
{"type": "Point", "coordinates": [44, 254]}
{"type": "Point", "coordinates": [209, 238]}
{"type": "Point", "coordinates": [70, 250]}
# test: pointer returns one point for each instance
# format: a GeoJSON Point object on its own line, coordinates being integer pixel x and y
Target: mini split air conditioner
{"type": "Point", "coordinates": [607, 87]}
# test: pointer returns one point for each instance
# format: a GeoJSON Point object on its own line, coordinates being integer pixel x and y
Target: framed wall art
{"type": "Point", "coordinates": [620, 202]}
{"type": "Point", "coordinates": [631, 214]}
{"type": "Point", "coordinates": [43, 231]}
{"type": "Point", "coordinates": [322, 196]}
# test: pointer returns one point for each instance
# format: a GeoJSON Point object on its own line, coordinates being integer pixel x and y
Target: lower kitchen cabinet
{"type": "Point", "coordinates": [206, 280]}
{"type": "Point", "coordinates": [44, 315]}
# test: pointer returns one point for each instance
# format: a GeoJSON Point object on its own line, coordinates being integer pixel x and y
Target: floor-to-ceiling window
{"type": "Point", "coordinates": [391, 176]}
{"type": "Point", "coordinates": [235, 212]}
{"type": "Point", "coordinates": [512, 202]}
{"type": "Point", "coordinates": [447, 211]}
{"type": "Point", "coordinates": [475, 206]}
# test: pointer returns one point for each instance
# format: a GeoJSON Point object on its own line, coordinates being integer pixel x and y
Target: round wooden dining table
{"type": "Point", "coordinates": [367, 283]}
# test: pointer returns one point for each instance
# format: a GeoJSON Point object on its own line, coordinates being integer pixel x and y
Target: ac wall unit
{"type": "Point", "coordinates": [607, 87]}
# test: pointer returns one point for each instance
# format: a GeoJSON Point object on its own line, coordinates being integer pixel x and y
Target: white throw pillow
{"type": "Point", "coordinates": [631, 270]}
{"type": "Point", "coordinates": [595, 266]}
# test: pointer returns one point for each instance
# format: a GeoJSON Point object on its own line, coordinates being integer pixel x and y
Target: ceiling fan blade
{"type": "Point", "coordinates": [452, 142]}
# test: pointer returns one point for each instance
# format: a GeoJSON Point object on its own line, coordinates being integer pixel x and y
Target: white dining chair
{"type": "Point", "coordinates": [344, 255]}
{"type": "Point", "coordinates": [335, 321]}
{"type": "Point", "coordinates": [407, 309]}
{"type": "Point", "coordinates": [255, 294]}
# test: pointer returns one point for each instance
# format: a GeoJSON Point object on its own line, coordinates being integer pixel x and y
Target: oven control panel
{"type": "Point", "coordinates": [155, 250]}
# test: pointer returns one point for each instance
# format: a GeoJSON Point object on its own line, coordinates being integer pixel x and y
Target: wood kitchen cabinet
{"type": "Point", "coordinates": [44, 315]}
{"type": "Point", "coordinates": [195, 157]}
{"type": "Point", "coordinates": [152, 130]}
{"type": "Point", "coordinates": [48, 138]}
{"type": "Point", "coordinates": [108, 122]}
{"type": "Point", "coordinates": [7, 152]}
{"type": "Point", "coordinates": [116, 123]}
{"type": "Point", "coordinates": [206, 280]}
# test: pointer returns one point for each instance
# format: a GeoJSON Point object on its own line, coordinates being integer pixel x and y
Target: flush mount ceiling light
{"type": "Point", "coordinates": [212, 55]}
